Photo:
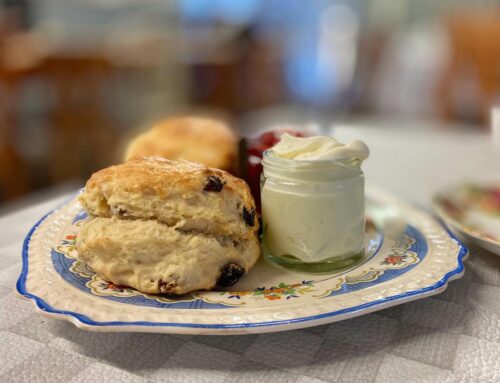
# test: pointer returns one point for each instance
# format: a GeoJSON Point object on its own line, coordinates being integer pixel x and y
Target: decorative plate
{"type": "Point", "coordinates": [409, 256]}
{"type": "Point", "coordinates": [473, 211]}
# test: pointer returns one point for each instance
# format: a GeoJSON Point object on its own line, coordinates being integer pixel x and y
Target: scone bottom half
{"type": "Point", "coordinates": [168, 227]}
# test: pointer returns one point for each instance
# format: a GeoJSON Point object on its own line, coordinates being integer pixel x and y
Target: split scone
{"type": "Point", "coordinates": [168, 227]}
{"type": "Point", "coordinates": [199, 139]}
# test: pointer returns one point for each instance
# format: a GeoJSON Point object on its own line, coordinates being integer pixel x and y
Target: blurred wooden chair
{"type": "Point", "coordinates": [14, 179]}
{"type": "Point", "coordinates": [250, 77]}
{"type": "Point", "coordinates": [475, 53]}
{"type": "Point", "coordinates": [82, 131]}
{"type": "Point", "coordinates": [80, 128]}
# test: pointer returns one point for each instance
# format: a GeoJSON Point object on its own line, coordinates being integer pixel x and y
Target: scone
{"type": "Point", "coordinates": [169, 227]}
{"type": "Point", "coordinates": [203, 140]}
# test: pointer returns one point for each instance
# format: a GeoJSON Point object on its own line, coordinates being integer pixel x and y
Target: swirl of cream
{"type": "Point", "coordinates": [319, 148]}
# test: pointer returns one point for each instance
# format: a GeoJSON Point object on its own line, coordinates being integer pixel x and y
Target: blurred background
{"type": "Point", "coordinates": [78, 78]}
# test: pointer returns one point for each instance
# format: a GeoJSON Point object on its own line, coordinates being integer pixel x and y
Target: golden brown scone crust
{"type": "Point", "coordinates": [198, 139]}
{"type": "Point", "coordinates": [173, 192]}
{"type": "Point", "coordinates": [186, 216]}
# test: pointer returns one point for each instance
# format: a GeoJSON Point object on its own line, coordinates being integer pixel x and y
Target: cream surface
{"type": "Point", "coordinates": [319, 148]}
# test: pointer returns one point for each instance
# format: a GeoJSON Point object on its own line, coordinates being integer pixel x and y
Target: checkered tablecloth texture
{"type": "Point", "coordinates": [451, 337]}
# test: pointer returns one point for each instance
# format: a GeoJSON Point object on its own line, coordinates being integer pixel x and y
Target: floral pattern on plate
{"type": "Point", "coordinates": [272, 293]}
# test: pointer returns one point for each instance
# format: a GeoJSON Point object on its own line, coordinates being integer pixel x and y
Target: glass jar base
{"type": "Point", "coordinates": [329, 265]}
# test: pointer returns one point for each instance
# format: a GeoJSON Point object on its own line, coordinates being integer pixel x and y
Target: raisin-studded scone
{"type": "Point", "coordinates": [198, 139]}
{"type": "Point", "coordinates": [165, 226]}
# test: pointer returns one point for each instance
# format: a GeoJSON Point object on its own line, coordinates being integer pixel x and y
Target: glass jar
{"type": "Point", "coordinates": [313, 213]}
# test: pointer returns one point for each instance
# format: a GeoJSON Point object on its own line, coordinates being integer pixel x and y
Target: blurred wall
{"type": "Point", "coordinates": [80, 78]}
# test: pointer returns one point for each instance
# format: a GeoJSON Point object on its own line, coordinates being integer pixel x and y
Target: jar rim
{"type": "Point", "coordinates": [308, 170]}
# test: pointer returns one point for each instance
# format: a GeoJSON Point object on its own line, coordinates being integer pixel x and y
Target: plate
{"type": "Point", "coordinates": [409, 256]}
{"type": "Point", "coordinates": [472, 210]}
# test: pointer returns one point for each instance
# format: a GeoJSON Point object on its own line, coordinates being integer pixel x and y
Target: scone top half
{"type": "Point", "coordinates": [185, 195]}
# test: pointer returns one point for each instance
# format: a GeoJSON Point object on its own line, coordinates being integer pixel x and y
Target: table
{"type": "Point", "coordinates": [451, 337]}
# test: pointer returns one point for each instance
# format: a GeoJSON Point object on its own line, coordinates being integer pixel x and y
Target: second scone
{"type": "Point", "coordinates": [199, 139]}
{"type": "Point", "coordinates": [164, 226]}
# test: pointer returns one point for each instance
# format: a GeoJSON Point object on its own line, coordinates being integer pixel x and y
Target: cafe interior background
{"type": "Point", "coordinates": [79, 78]}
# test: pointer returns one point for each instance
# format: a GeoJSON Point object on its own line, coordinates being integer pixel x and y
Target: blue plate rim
{"type": "Point", "coordinates": [44, 306]}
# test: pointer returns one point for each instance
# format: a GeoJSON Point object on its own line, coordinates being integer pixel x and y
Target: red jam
{"type": "Point", "coordinates": [255, 148]}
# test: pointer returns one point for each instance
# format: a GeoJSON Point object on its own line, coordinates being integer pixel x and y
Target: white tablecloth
{"type": "Point", "coordinates": [451, 337]}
